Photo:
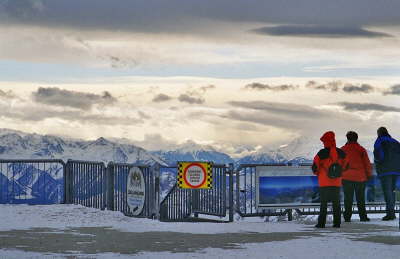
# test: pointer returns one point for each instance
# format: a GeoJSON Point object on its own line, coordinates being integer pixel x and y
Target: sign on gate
{"type": "Point", "coordinates": [136, 191]}
{"type": "Point", "coordinates": [194, 175]}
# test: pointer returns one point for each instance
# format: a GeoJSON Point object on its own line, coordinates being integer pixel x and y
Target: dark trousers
{"type": "Point", "coordinates": [349, 188]}
{"type": "Point", "coordinates": [329, 194]}
{"type": "Point", "coordinates": [388, 187]}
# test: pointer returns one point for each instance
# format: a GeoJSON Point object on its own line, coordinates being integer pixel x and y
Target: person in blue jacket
{"type": "Point", "coordinates": [387, 162]}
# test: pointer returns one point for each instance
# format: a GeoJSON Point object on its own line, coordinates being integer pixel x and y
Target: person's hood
{"type": "Point", "coordinates": [329, 142]}
{"type": "Point", "coordinates": [329, 139]}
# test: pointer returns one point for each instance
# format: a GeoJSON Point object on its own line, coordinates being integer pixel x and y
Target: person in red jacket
{"type": "Point", "coordinates": [329, 188]}
{"type": "Point", "coordinates": [355, 177]}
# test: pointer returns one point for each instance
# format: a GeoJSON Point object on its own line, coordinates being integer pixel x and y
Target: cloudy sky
{"type": "Point", "coordinates": [231, 74]}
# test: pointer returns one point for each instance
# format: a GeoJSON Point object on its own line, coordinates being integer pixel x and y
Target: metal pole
{"type": "Point", "coordinates": [110, 186]}
{"type": "Point", "coordinates": [290, 214]}
{"type": "Point", "coordinates": [156, 173]}
{"type": "Point", "coordinates": [231, 205]}
{"type": "Point", "coordinates": [66, 184]}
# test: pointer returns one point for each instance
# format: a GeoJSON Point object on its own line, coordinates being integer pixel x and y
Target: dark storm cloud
{"type": "Point", "coordinates": [393, 90]}
{"type": "Point", "coordinates": [186, 98]}
{"type": "Point", "coordinates": [207, 88]}
{"type": "Point", "coordinates": [288, 109]}
{"type": "Point", "coordinates": [330, 86]}
{"type": "Point", "coordinates": [319, 31]}
{"type": "Point", "coordinates": [185, 15]}
{"type": "Point", "coordinates": [261, 118]}
{"type": "Point", "coordinates": [277, 88]}
{"type": "Point", "coordinates": [161, 98]}
{"type": "Point", "coordinates": [144, 115]}
{"type": "Point", "coordinates": [348, 106]}
{"type": "Point", "coordinates": [364, 88]}
{"type": "Point", "coordinates": [7, 95]}
{"type": "Point", "coordinates": [336, 86]}
{"type": "Point", "coordinates": [36, 114]}
{"type": "Point", "coordinates": [290, 116]}
{"type": "Point", "coordinates": [65, 98]}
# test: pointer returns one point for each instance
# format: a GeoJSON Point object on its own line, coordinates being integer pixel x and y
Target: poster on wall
{"type": "Point", "coordinates": [296, 186]}
{"type": "Point", "coordinates": [286, 186]}
{"type": "Point", "coordinates": [136, 191]}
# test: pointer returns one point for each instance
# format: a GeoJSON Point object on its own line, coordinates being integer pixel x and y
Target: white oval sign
{"type": "Point", "coordinates": [195, 175]}
{"type": "Point", "coordinates": [136, 191]}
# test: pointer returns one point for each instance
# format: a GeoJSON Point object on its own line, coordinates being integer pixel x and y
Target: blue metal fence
{"type": "Point", "coordinates": [117, 196]}
{"type": "Point", "coordinates": [32, 181]}
{"type": "Point", "coordinates": [181, 204]}
{"type": "Point", "coordinates": [86, 183]}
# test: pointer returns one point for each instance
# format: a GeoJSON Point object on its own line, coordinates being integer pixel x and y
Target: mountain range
{"type": "Point", "coordinates": [21, 145]}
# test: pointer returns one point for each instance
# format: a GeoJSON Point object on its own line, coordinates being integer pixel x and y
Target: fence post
{"type": "Point", "coordinates": [231, 205]}
{"type": "Point", "coordinates": [110, 186]}
{"type": "Point", "coordinates": [156, 202]}
{"type": "Point", "coordinates": [66, 184]}
{"type": "Point", "coordinates": [290, 214]}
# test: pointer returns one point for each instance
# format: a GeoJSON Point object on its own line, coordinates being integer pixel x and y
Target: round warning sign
{"type": "Point", "coordinates": [195, 175]}
{"type": "Point", "coordinates": [136, 191]}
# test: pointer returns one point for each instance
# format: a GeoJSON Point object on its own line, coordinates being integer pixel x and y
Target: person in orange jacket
{"type": "Point", "coordinates": [355, 177]}
{"type": "Point", "coordinates": [326, 161]}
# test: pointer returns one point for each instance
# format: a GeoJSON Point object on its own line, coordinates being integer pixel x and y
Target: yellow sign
{"type": "Point", "coordinates": [195, 175]}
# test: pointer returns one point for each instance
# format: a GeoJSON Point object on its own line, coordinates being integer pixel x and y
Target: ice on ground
{"type": "Point", "coordinates": [64, 216]}
{"type": "Point", "coordinates": [353, 240]}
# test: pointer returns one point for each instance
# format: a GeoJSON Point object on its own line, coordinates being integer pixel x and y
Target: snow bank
{"type": "Point", "coordinates": [72, 216]}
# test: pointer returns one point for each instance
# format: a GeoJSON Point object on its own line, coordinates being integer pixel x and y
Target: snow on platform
{"type": "Point", "coordinates": [58, 231]}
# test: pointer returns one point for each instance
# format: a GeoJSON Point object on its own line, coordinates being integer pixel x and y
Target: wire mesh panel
{"type": "Point", "coordinates": [31, 181]}
{"type": "Point", "coordinates": [119, 174]}
{"type": "Point", "coordinates": [87, 183]}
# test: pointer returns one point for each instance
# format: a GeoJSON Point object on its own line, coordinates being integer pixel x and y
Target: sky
{"type": "Point", "coordinates": [231, 74]}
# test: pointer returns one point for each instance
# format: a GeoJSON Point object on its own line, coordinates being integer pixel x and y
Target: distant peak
{"type": "Point", "coordinates": [101, 141]}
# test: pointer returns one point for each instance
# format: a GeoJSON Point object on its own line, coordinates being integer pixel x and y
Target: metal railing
{"type": "Point", "coordinates": [117, 189]}
{"type": "Point", "coordinates": [177, 205]}
{"type": "Point", "coordinates": [32, 181]}
{"type": "Point", "coordinates": [86, 183]}
{"type": "Point", "coordinates": [180, 204]}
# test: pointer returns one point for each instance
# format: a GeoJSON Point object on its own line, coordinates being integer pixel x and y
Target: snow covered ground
{"type": "Point", "coordinates": [53, 231]}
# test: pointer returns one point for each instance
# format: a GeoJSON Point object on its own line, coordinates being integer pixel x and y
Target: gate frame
{"type": "Point", "coordinates": [193, 196]}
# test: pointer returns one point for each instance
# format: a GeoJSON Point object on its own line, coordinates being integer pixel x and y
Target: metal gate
{"type": "Point", "coordinates": [92, 184]}
{"type": "Point", "coordinates": [86, 183]}
{"type": "Point", "coordinates": [117, 189]}
{"type": "Point", "coordinates": [32, 181]}
{"type": "Point", "coordinates": [181, 204]}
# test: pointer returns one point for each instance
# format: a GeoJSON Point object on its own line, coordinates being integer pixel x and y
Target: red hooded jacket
{"type": "Point", "coordinates": [359, 165]}
{"type": "Point", "coordinates": [325, 158]}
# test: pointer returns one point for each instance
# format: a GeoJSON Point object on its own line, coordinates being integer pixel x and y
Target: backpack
{"type": "Point", "coordinates": [335, 170]}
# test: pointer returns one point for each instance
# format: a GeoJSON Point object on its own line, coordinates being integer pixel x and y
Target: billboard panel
{"type": "Point", "coordinates": [296, 186]}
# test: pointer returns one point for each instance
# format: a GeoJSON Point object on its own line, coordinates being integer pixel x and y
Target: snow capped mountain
{"type": "Point", "coordinates": [17, 145]}
{"type": "Point", "coordinates": [299, 150]}
{"type": "Point", "coordinates": [191, 151]}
